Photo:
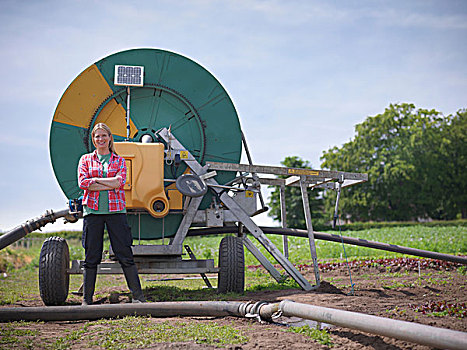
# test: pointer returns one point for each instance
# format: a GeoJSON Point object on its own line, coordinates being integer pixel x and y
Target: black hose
{"type": "Point", "coordinates": [29, 226]}
{"type": "Point", "coordinates": [94, 312]}
{"type": "Point", "coordinates": [336, 238]}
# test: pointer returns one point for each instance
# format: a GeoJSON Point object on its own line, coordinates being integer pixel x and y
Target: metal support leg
{"type": "Point", "coordinates": [262, 259]}
{"type": "Point", "coordinates": [258, 255]}
{"type": "Point", "coordinates": [193, 257]}
{"type": "Point", "coordinates": [261, 237]}
{"type": "Point", "coordinates": [187, 221]}
{"type": "Point", "coordinates": [311, 236]}
{"type": "Point", "coordinates": [285, 242]}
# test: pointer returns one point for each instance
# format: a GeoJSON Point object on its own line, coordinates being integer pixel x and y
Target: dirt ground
{"type": "Point", "coordinates": [430, 293]}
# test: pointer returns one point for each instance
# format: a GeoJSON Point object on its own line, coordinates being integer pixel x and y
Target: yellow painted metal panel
{"type": "Point", "coordinates": [82, 98]}
{"type": "Point", "coordinates": [113, 114]}
{"type": "Point", "coordinates": [129, 172]}
{"type": "Point", "coordinates": [175, 198]}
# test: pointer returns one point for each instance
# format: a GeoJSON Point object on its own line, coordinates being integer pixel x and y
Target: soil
{"type": "Point", "coordinates": [429, 293]}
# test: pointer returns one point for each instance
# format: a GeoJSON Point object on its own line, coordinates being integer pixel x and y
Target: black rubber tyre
{"type": "Point", "coordinates": [231, 266]}
{"type": "Point", "coordinates": [54, 279]}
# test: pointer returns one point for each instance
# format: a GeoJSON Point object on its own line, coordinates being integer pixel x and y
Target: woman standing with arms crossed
{"type": "Point", "coordinates": [102, 174]}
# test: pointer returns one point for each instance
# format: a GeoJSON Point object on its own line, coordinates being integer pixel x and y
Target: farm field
{"type": "Point", "coordinates": [384, 284]}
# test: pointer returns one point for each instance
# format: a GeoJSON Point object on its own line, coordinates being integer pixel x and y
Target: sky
{"type": "Point", "coordinates": [301, 73]}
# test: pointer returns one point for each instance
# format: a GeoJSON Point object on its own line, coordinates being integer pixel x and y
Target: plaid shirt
{"type": "Point", "coordinates": [89, 167]}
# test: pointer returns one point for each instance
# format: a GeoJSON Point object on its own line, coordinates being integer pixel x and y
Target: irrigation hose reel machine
{"type": "Point", "coordinates": [179, 133]}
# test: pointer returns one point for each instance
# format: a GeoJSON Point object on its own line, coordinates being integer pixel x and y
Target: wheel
{"type": "Point", "coordinates": [54, 279]}
{"type": "Point", "coordinates": [231, 266]}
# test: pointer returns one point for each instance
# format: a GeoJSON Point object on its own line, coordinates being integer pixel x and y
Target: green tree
{"type": "Point", "coordinates": [293, 198]}
{"type": "Point", "coordinates": [453, 179]}
{"type": "Point", "coordinates": [404, 151]}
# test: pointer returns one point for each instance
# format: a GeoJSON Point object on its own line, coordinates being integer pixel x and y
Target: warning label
{"type": "Point", "coordinates": [303, 172]}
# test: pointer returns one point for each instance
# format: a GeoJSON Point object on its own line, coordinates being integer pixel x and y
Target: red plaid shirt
{"type": "Point", "coordinates": [89, 167]}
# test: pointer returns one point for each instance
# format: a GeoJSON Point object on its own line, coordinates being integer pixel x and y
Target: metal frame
{"type": "Point", "coordinates": [237, 211]}
{"type": "Point", "coordinates": [167, 258]}
{"type": "Point", "coordinates": [148, 266]}
{"type": "Point", "coordinates": [305, 178]}
{"type": "Point", "coordinates": [313, 178]}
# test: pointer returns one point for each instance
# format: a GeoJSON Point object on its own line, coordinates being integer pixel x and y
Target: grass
{"type": "Point", "coordinates": [265, 282]}
{"type": "Point", "coordinates": [397, 285]}
{"type": "Point", "coordinates": [319, 335]}
{"type": "Point", "coordinates": [11, 259]}
{"type": "Point", "coordinates": [16, 334]}
{"type": "Point", "coordinates": [140, 332]}
{"type": "Point", "coordinates": [449, 240]}
{"type": "Point", "coordinates": [22, 263]}
{"type": "Point", "coordinates": [19, 285]}
{"type": "Point", "coordinates": [125, 333]}
{"type": "Point", "coordinates": [67, 341]}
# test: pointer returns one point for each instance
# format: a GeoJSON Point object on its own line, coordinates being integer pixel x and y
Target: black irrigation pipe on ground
{"type": "Point", "coordinates": [336, 238]}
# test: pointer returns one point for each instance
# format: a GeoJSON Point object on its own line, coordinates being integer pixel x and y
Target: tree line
{"type": "Point", "coordinates": [416, 161]}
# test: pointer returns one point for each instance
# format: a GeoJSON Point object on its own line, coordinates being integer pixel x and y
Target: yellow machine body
{"type": "Point", "coordinates": [144, 187]}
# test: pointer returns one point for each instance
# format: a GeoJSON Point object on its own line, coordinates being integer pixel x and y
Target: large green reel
{"type": "Point", "coordinates": [177, 92]}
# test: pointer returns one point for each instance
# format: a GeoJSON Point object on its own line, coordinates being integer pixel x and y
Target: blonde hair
{"type": "Point", "coordinates": [107, 130]}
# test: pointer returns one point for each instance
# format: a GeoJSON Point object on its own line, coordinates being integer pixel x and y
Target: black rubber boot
{"type": "Point", "coordinates": [89, 283]}
{"type": "Point", "coordinates": [132, 279]}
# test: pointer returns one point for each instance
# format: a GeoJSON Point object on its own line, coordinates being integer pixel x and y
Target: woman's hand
{"type": "Point", "coordinates": [107, 183]}
{"type": "Point", "coordinates": [99, 187]}
{"type": "Point", "coordinates": [110, 182]}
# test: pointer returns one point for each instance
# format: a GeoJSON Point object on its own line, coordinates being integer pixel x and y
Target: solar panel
{"type": "Point", "coordinates": [129, 75]}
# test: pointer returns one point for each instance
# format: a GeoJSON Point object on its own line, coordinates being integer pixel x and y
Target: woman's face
{"type": "Point", "coordinates": [101, 141]}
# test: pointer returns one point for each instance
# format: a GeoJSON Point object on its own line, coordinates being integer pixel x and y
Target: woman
{"type": "Point", "coordinates": [102, 174]}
